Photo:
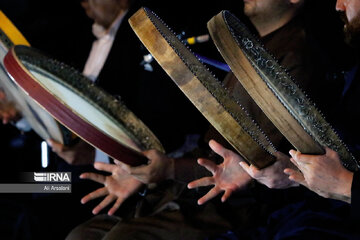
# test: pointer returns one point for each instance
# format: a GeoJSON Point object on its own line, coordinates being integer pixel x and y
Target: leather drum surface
{"type": "Point", "coordinates": [87, 110]}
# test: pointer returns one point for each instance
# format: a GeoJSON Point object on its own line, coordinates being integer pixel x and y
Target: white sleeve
{"type": "Point", "coordinates": [101, 156]}
{"type": "Point", "coordinates": [23, 125]}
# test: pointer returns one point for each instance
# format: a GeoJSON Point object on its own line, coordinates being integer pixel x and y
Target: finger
{"type": "Point", "coordinates": [288, 171]}
{"type": "Point", "coordinates": [292, 153]}
{"type": "Point", "coordinates": [250, 169]}
{"type": "Point", "coordinates": [95, 194]}
{"type": "Point", "coordinates": [153, 154]}
{"type": "Point", "coordinates": [255, 172]}
{"type": "Point", "coordinates": [331, 153]}
{"type": "Point", "coordinates": [226, 195]}
{"type": "Point", "coordinates": [281, 156]}
{"type": "Point", "coordinates": [94, 176]}
{"type": "Point", "coordinates": [116, 206]}
{"type": "Point", "coordinates": [298, 165]}
{"type": "Point", "coordinates": [217, 147]}
{"type": "Point", "coordinates": [50, 142]}
{"type": "Point", "coordinates": [210, 195]}
{"type": "Point", "coordinates": [295, 176]}
{"type": "Point", "coordinates": [56, 146]}
{"type": "Point", "coordinates": [202, 182]}
{"type": "Point", "coordinates": [104, 166]}
{"type": "Point", "coordinates": [301, 158]}
{"type": "Point", "coordinates": [109, 199]}
{"type": "Point", "coordinates": [223, 152]}
{"type": "Point", "coordinates": [209, 165]}
{"type": "Point", "coordinates": [5, 119]}
{"type": "Point", "coordinates": [142, 170]}
{"type": "Point", "coordinates": [124, 166]}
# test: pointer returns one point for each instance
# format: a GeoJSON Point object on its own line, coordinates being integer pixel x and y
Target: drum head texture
{"type": "Point", "coordinates": [87, 110]}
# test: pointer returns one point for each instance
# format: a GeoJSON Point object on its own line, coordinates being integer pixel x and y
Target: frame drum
{"type": "Point", "coordinates": [203, 89]}
{"type": "Point", "coordinates": [274, 91]}
{"type": "Point", "coordinates": [87, 110]}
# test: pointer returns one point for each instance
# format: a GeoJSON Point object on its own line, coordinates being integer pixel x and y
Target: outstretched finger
{"type": "Point", "coordinates": [104, 166]}
{"type": "Point", "coordinates": [209, 165]}
{"type": "Point", "coordinates": [217, 147]}
{"type": "Point", "coordinates": [140, 170]}
{"type": "Point", "coordinates": [109, 199]}
{"type": "Point", "coordinates": [202, 182]}
{"type": "Point", "coordinates": [116, 206]}
{"type": "Point", "coordinates": [123, 166]}
{"type": "Point", "coordinates": [222, 151]}
{"type": "Point", "coordinates": [226, 195]}
{"type": "Point", "coordinates": [210, 195]}
{"type": "Point", "coordinates": [95, 194]}
{"type": "Point", "coordinates": [93, 176]}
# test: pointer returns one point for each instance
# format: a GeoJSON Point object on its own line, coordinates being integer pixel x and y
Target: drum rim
{"type": "Point", "coordinates": [211, 98]}
{"type": "Point", "coordinates": [19, 54]}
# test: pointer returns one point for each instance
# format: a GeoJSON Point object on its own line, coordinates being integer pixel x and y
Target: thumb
{"type": "Point", "coordinates": [123, 166]}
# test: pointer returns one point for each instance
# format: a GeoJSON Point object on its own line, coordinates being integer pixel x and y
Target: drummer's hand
{"type": "Point", "coordinates": [117, 187]}
{"type": "Point", "coordinates": [8, 111]}
{"type": "Point", "coordinates": [159, 168]}
{"type": "Point", "coordinates": [323, 174]}
{"type": "Point", "coordinates": [81, 153]}
{"type": "Point", "coordinates": [273, 176]}
{"type": "Point", "coordinates": [227, 177]}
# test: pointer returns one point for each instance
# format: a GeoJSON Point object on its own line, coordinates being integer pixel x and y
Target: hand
{"type": "Point", "coordinates": [272, 176]}
{"type": "Point", "coordinates": [159, 168]}
{"type": "Point", "coordinates": [117, 187]}
{"type": "Point", "coordinates": [323, 174]}
{"type": "Point", "coordinates": [8, 111]}
{"type": "Point", "coordinates": [227, 176]}
{"type": "Point", "coordinates": [81, 153]}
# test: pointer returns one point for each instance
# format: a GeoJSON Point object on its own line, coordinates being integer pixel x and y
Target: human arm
{"type": "Point", "coordinates": [226, 177]}
{"type": "Point", "coordinates": [159, 168]}
{"type": "Point", "coordinates": [8, 111]}
{"type": "Point", "coordinates": [323, 174]}
{"type": "Point", "coordinates": [234, 173]}
{"type": "Point", "coordinates": [117, 187]}
{"type": "Point", "coordinates": [273, 176]}
{"type": "Point", "coordinates": [81, 153]}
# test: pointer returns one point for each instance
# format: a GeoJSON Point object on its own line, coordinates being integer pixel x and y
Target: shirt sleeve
{"type": "Point", "coordinates": [187, 170]}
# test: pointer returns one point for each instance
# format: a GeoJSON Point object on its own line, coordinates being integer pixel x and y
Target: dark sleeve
{"type": "Point", "coordinates": [355, 196]}
{"type": "Point", "coordinates": [187, 170]}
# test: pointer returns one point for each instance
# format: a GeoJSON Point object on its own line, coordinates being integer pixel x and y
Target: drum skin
{"type": "Point", "coordinates": [78, 104]}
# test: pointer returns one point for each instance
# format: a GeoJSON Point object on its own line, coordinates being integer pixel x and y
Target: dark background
{"type": "Point", "coordinates": [62, 30]}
